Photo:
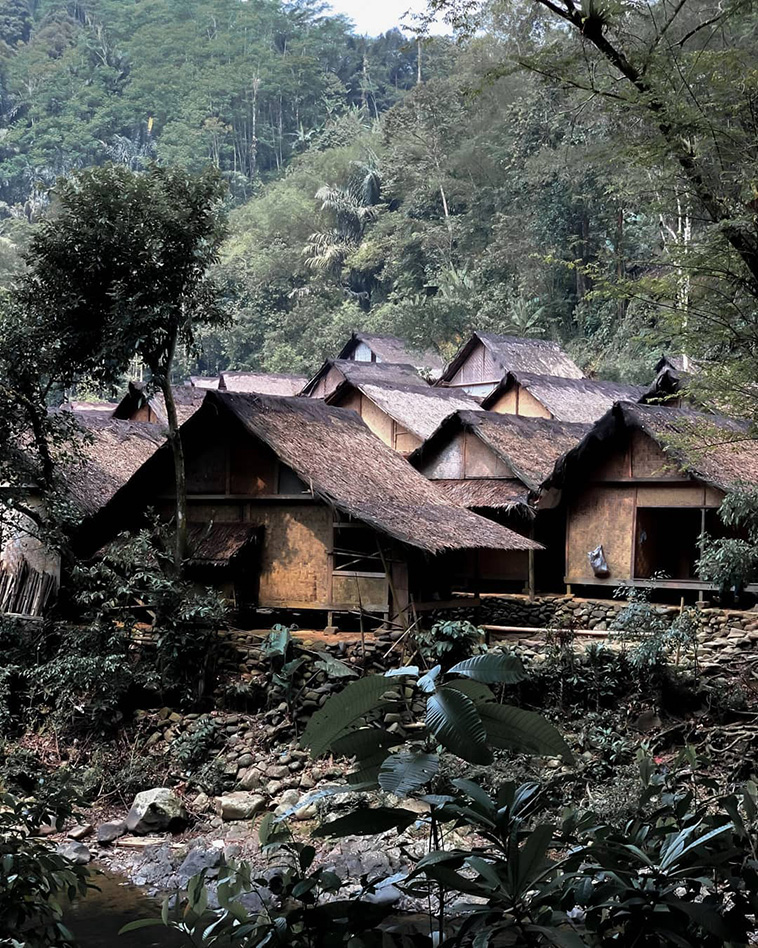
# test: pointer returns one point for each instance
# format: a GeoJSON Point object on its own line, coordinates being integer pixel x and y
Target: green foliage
{"type": "Point", "coordinates": [731, 562]}
{"type": "Point", "coordinates": [241, 86]}
{"type": "Point", "coordinates": [653, 637]}
{"type": "Point", "coordinates": [80, 671]}
{"type": "Point", "coordinates": [35, 882]}
{"type": "Point", "coordinates": [449, 641]}
{"type": "Point", "coordinates": [193, 748]}
{"type": "Point", "coordinates": [303, 905]}
{"type": "Point", "coordinates": [461, 715]}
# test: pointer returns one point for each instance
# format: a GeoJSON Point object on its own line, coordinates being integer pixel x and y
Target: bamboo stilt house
{"type": "Point", "coordinates": [99, 459]}
{"type": "Point", "coordinates": [336, 371]}
{"type": "Point", "coordinates": [577, 401]}
{"type": "Point", "coordinates": [486, 358]}
{"type": "Point", "coordinates": [645, 483]}
{"type": "Point", "coordinates": [494, 465]}
{"type": "Point", "coordinates": [402, 415]}
{"type": "Point", "coordinates": [344, 523]}
{"type": "Point", "coordinates": [371, 347]}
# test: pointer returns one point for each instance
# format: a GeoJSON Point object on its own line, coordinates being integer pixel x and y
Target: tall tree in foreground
{"type": "Point", "coordinates": [121, 266]}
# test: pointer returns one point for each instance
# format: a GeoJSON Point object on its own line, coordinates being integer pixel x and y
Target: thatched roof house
{"type": "Point", "coordinates": [644, 483]}
{"type": "Point", "coordinates": [101, 457]}
{"type": "Point", "coordinates": [578, 401]}
{"type": "Point", "coordinates": [341, 514]}
{"type": "Point", "coordinates": [484, 460]}
{"type": "Point", "coordinates": [486, 357]}
{"type": "Point", "coordinates": [204, 381]}
{"type": "Point", "coordinates": [370, 347]}
{"type": "Point", "coordinates": [262, 383]}
{"type": "Point", "coordinates": [402, 415]}
{"type": "Point", "coordinates": [144, 404]}
{"type": "Point", "coordinates": [494, 464]}
{"type": "Point", "coordinates": [336, 371]}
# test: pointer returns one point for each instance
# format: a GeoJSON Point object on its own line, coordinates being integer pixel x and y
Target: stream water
{"type": "Point", "coordinates": [97, 919]}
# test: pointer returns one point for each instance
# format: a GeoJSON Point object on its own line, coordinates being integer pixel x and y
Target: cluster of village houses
{"type": "Point", "coordinates": [390, 481]}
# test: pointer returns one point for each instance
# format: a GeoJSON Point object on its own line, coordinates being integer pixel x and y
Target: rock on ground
{"type": "Point", "coordinates": [239, 805]}
{"type": "Point", "coordinates": [156, 810]}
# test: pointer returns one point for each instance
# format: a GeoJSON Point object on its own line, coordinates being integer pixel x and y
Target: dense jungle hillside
{"type": "Point", "coordinates": [419, 188]}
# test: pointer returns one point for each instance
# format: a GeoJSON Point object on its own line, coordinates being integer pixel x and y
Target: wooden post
{"type": "Point", "coordinates": [531, 576]}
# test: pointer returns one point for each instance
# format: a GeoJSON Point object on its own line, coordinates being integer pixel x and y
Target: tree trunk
{"type": "Point", "coordinates": [177, 450]}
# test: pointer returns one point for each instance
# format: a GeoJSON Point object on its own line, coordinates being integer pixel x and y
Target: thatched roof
{"type": "Point", "coordinates": [418, 408]}
{"type": "Point", "coordinates": [109, 452]}
{"type": "Point", "coordinates": [497, 493]}
{"type": "Point", "coordinates": [217, 544]}
{"type": "Point", "coordinates": [720, 451]}
{"type": "Point", "coordinates": [393, 349]}
{"type": "Point", "coordinates": [204, 381]}
{"type": "Point", "coordinates": [344, 464]}
{"type": "Point", "coordinates": [263, 383]}
{"type": "Point", "coordinates": [336, 371]}
{"type": "Point", "coordinates": [517, 354]}
{"type": "Point", "coordinates": [580, 401]}
{"type": "Point", "coordinates": [530, 447]}
{"type": "Point", "coordinates": [187, 398]}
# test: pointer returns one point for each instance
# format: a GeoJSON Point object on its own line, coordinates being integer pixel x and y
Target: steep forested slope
{"type": "Point", "coordinates": [483, 196]}
{"type": "Point", "coordinates": [241, 84]}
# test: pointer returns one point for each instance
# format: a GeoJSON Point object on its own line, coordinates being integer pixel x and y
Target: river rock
{"type": "Point", "coordinates": [81, 831]}
{"type": "Point", "coordinates": [156, 810]}
{"type": "Point", "coordinates": [239, 805]}
{"type": "Point", "coordinates": [75, 852]}
{"type": "Point", "coordinates": [250, 779]}
{"type": "Point", "coordinates": [196, 861]}
{"type": "Point", "coordinates": [109, 832]}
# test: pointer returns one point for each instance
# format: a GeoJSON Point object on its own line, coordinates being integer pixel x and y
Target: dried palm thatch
{"type": "Point", "coordinates": [264, 383]}
{"type": "Point", "coordinates": [719, 451]}
{"type": "Point", "coordinates": [580, 401]}
{"type": "Point", "coordinates": [219, 544]}
{"type": "Point", "coordinates": [348, 467]}
{"type": "Point", "coordinates": [529, 447]}
{"type": "Point", "coordinates": [139, 395]}
{"type": "Point", "coordinates": [420, 409]}
{"type": "Point", "coordinates": [516, 354]}
{"type": "Point", "coordinates": [393, 349]}
{"type": "Point", "coordinates": [335, 371]}
{"type": "Point", "coordinates": [107, 453]}
{"type": "Point", "coordinates": [496, 493]}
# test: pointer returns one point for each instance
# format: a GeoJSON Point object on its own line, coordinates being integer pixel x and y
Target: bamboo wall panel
{"type": "Point", "coordinates": [296, 543]}
{"type": "Point", "coordinates": [603, 515]}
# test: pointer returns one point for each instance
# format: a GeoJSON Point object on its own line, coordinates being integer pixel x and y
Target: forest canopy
{"type": "Point", "coordinates": [422, 187]}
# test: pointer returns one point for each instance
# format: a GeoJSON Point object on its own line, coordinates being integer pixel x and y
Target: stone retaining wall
{"type": "Point", "coordinates": [724, 633]}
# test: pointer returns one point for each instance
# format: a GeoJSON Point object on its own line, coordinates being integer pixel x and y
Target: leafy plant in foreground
{"type": "Point", "coordinates": [461, 716]}
{"type": "Point", "coordinates": [35, 881]}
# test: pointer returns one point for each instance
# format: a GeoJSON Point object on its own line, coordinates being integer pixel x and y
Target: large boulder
{"type": "Point", "coordinates": [239, 805]}
{"type": "Point", "coordinates": [155, 811]}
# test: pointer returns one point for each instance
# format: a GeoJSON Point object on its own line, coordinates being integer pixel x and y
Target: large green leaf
{"type": "Point", "coordinates": [472, 689]}
{"type": "Point", "coordinates": [333, 667]}
{"type": "Point", "coordinates": [343, 710]}
{"type": "Point", "coordinates": [490, 668]}
{"type": "Point", "coordinates": [454, 720]}
{"type": "Point", "coordinates": [406, 772]}
{"type": "Point", "coordinates": [368, 822]}
{"type": "Point", "coordinates": [364, 743]}
{"type": "Point", "coordinates": [521, 730]}
{"type": "Point", "coordinates": [369, 746]}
